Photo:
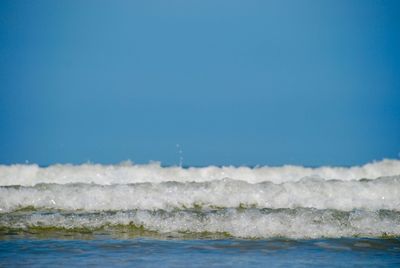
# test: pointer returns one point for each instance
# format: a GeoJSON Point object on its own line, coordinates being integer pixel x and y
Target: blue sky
{"type": "Point", "coordinates": [231, 82]}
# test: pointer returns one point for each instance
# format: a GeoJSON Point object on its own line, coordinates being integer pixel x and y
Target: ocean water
{"type": "Point", "coordinates": [149, 215]}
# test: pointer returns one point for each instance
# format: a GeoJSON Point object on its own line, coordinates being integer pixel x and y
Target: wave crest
{"type": "Point", "coordinates": [382, 193]}
{"type": "Point", "coordinates": [261, 202]}
{"type": "Point", "coordinates": [248, 223]}
{"type": "Point", "coordinates": [126, 172]}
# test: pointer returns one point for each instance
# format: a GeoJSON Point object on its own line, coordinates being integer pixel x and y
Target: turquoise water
{"type": "Point", "coordinates": [140, 252]}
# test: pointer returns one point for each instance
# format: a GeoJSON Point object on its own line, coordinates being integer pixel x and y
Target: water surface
{"type": "Point", "coordinates": [142, 252]}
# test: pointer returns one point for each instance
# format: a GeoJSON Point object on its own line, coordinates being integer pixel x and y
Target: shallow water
{"type": "Point", "coordinates": [152, 216]}
{"type": "Point", "coordinates": [139, 252]}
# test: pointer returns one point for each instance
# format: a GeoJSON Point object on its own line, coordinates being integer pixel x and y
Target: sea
{"type": "Point", "coordinates": [149, 215]}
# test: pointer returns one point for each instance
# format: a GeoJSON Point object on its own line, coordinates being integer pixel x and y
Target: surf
{"type": "Point", "coordinates": [243, 202]}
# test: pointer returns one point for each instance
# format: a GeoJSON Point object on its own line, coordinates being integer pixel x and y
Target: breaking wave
{"type": "Point", "coordinates": [127, 172]}
{"type": "Point", "coordinates": [261, 202]}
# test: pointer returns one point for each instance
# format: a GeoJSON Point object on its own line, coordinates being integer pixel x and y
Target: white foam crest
{"type": "Point", "coordinates": [383, 193]}
{"type": "Point", "coordinates": [249, 223]}
{"type": "Point", "coordinates": [127, 172]}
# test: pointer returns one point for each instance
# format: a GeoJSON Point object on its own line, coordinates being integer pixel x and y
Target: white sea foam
{"type": "Point", "coordinates": [249, 223]}
{"type": "Point", "coordinates": [28, 175]}
{"type": "Point", "coordinates": [288, 201]}
{"type": "Point", "coordinates": [383, 193]}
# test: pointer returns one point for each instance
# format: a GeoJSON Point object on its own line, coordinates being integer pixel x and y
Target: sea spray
{"type": "Point", "coordinates": [261, 202]}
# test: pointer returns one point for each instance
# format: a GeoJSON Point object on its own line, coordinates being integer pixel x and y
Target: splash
{"type": "Point", "coordinates": [262, 202]}
{"type": "Point", "coordinates": [127, 172]}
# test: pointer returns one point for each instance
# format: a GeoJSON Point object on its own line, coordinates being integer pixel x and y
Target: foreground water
{"type": "Point", "coordinates": [199, 253]}
{"type": "Point", "coordinates": [152, 215]}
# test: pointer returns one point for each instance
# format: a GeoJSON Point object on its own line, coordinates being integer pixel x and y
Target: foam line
{"type": "Point", "coordinates": [383, 193]}
{"type": "Point", "coordinates": [248, 223]}
{"type": "Point", "coordinates": [124, 173]}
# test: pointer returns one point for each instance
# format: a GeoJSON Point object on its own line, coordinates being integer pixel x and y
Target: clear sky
{"type": "Point", "coordinates": [231, 82]}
